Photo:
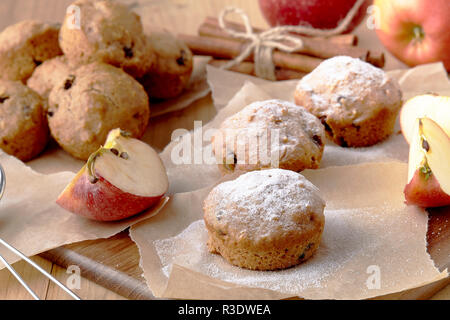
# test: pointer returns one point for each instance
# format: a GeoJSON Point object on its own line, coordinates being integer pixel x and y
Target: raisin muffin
{"type": "Point", "coordinates": [172, 68]}
{"type": "Point", "coordinates": [24, 46]}
{"type": "Point", "coordinates": [106, 31]}
{"type": "Point", "coordinates": [23, 125]}
{"type": "Point", "coordinates": [92, 101]}
{"type": "Point", "coordinates": [269, 134]}
{"type": "Point", "coordinates": [265, 220]}
{"type": "Point", "coordinates": [357, 102]}
{"type": "Point", "coordinates": [48, 74]}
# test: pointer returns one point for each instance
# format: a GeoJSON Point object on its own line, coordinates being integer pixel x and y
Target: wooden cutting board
{"type": "Point", "coordinates": [114, 262]}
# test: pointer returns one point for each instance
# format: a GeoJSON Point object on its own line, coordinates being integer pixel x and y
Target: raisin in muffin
{"type": "Point", "coordinates": [357, 102]}
{"type": "Point", "coordinates": [172, 68]}
{"type": "Point", "coordinates": [90, 102]}
{"type": "Point", "coordinates": [105, 31]}
{"type": "Point", "coordinates": [48, 74]}
{"type": "Point", "coordinates": [269, 134]}
{"type": "Point", "coordinates": [23, 125]}
{"type": "Point", "coordinates": [265, 220]}
{"type": "Point", "coordinates": [24, 46]}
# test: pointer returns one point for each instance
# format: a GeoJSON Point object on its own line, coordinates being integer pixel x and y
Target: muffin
{"type": "Point", "coordinates": [265, 220]}
{"type": "Point", "coordinates": [23, 125]}
{"type": "Point", "coordinates": [24, 46]}
{"type": "Point", "coordinates": [48, 74]}
{"type": "Point", "coordinates": [109, 32]}
{"type": "Point", "coordinates": [172, 68]}
{"type": "Point", "coordinates": [269, 134]}
{"type": "Point", "coordinates": [357, 102]}
{"type": "Point", "coordinates": [92, 101]}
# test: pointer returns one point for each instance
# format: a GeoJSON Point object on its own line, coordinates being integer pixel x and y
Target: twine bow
{"type": "Point", "coordinates": [263, 44]}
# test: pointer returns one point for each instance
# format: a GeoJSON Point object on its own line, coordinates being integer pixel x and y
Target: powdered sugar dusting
{"type": "Point", "coordinates": [262, 203]}
{"type": "Point", "coordinates": [342, 240]}
{"type": "Point", "coordinates": [351, 79]}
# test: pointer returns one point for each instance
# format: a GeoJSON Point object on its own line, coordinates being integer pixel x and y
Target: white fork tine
{"type": "Point", "coordinates": [24, 257]}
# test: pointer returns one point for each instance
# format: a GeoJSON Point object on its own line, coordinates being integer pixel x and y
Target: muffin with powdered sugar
{"type": "Point", "coordinates": [356, 102]}
{"type": "Point", "coordinates": [265, 220]}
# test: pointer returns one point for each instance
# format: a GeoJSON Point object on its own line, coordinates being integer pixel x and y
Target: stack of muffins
{"type": "Point", "coordinates": [76, 82]}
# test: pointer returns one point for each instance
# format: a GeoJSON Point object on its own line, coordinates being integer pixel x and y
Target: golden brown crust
{"type": "Point", "coordinates": [299, 145]}
{"type": "Point", "coordinates": [26, 45]}
{"type": "Point", "coordinates": [264, 220]}
{"type": "Point", "coordinates": [108, 32]}
{"type": "Point", "coordinates": [357, 103]}
{"type": "Point", "coordinates": [23, 125]}
{"type": "Point", "coordinates": [90, 102]}
{"type": "Point", "coordinates": [172, 68]}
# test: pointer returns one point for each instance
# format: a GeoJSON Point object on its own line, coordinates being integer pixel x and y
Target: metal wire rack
{"type": "Point", "coordinates": [24, 257]}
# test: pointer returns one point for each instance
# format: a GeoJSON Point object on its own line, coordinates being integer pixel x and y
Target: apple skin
{"type": "Point", "coordinates": [426, 193]}
{"type": "Point", "coordinates": [396, 21]}
{"type": "Point", "coordinates": [321, 14]}
{"type": "Point", "coordinates": [101, 201]}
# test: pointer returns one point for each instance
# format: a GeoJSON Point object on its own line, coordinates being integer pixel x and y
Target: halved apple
{"type": "Point", "coordinates": [119, 180]}
{"type": "Point", "coordinates": [429, 166]}
{"type": "Point", "coordinates": [431, 106]}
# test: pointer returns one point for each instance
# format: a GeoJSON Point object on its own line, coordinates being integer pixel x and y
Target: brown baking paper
{"type": "Point", "coordinates": [369, 231]}
{"type": "Point", "coordinates": [233, 91]}
{"type": "Point", "coordinates": [31, 221]}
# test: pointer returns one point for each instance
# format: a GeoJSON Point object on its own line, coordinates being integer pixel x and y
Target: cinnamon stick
{"type": "Point", "coordinates": [342, 39]}
{"type": "Point", "coordinates": [320, 48]}
{"type": "Point", "coordinates": [247, 67]}
{"type": "Point", "coordinates": [231, 48]}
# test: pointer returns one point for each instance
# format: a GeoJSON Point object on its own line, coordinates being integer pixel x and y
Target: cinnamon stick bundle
{"type": "Point", "coordinates": [231, 48]}
{"type": "Point", "coordinates": [321, 48]}
{"type": "Point", "coordinates": [342, 39]}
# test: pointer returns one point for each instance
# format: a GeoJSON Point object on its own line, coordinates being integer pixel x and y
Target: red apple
{"type": "Point", "coordinates": [322, 14]}
{"type": "Point", "coordinates": [431, 106]}
{"type": "Point", "coordinates": [121, 179]}
{"type": "Point", "coordinates": [428, 168]}
{"type": "Point", "coordinates": [415, 31]}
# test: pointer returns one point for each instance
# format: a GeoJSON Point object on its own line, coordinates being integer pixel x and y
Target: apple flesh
{"type": "Point", "coordinates": [415, 31]}
{"type": "Point", "coordinates": [428, 169]}
{"type": "Point", "coordinates": [121, 179]}
{"type": "Point", "coordinates": [430, 106]}
{"type": "Point", "coordinates": [321, 14]}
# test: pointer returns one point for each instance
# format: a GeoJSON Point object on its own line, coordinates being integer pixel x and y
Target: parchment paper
{"type": "Point", "coordinates": [233, 91]}
{"type": "Point", "coordinates": [368, 229]}
{"type": "Point", "coordinates": [31, 221]}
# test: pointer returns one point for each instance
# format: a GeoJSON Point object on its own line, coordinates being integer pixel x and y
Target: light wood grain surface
{"type": "Point", "coordinates": [176, 16]}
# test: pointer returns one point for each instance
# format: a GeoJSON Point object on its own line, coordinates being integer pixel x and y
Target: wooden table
{"type": "Point", "coordinates": [176, 16]}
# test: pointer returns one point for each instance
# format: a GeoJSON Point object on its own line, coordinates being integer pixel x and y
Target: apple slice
{"type": "Point", "coordinates": [121, 179]}
{"type": "Point", "coordinates": [429, 169]}
{"type": "Point", "coordinates": [430, 106]}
